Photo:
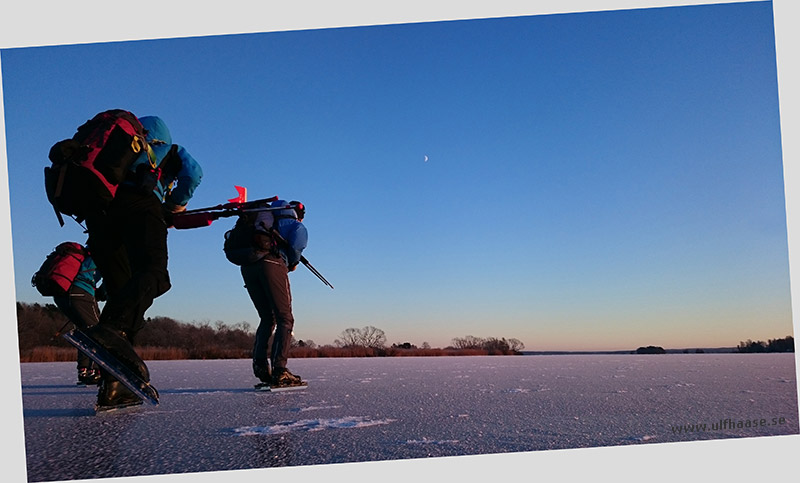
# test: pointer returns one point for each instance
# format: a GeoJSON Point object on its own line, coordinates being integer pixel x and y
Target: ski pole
{"type": "Point", "coordinates": [196, 219]}
{"type": "Point", "coordinates": [232, 205]}
{"type": "Point", "coordinates": [314, 271]}
{"type": "Point", "coordinates": [303, 260]}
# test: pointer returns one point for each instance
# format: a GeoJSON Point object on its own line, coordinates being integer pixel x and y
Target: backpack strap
{"type": "Point", "coordinates": [62, 170]}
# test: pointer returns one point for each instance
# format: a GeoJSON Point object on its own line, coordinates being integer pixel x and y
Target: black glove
{"type": "Point", "coordinates": [167, 213]}
{"type": "Point", "coordinates": [169, 210]}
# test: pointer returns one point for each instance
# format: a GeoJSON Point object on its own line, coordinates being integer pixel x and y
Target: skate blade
{"type": "Point", "coordinates": [111, 364]}
{"type": "Point", "coordinates": [264, 387]}
{"type": "Point", "coordinates": [119, 408]}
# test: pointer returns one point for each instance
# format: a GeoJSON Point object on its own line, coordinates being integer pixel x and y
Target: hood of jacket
{"type": "Point", "coordinates": [158, 135]}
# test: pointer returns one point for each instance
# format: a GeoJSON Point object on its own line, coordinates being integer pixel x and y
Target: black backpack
{"type": "Point", "coordinates": [246, 243]}
{"type": "Point", "coordinates": [87, 168]}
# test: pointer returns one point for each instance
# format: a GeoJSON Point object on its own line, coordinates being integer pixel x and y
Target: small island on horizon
{"type": "Point", "coordinates": [785, 344]}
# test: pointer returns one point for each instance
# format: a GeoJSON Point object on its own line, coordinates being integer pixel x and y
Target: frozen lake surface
{"type": "Point", "coordinates": [371, 409]}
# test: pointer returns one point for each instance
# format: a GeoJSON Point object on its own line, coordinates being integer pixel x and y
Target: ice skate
{"type": "Point", "coordinates": [88, 377]}
{"type": "Point", "coordinates": [262, 372]}
{"type": "Point", "coordinates": [282, 380]}
{"type": "Point", "coordinates": [113, 395]}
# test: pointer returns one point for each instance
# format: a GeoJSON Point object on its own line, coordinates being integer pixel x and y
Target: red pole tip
{"type": "Point", "coordinates": [242, 198]}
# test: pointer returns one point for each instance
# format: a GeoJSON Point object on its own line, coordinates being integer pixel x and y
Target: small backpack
{"type": "Point", "coordinates": [87, 168]}
{"type": "Point", "coordinates": [249, 240]}
{"type": "Point", "coordinates": [59, 269]}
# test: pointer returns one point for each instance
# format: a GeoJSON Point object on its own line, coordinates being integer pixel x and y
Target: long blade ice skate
{"type": "Point", "coordinates": [111, 364]}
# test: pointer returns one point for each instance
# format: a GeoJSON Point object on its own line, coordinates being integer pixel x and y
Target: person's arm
{"type": "Point", "coordinates": [188, 178]}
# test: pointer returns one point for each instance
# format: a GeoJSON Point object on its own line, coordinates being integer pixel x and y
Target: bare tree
{"type": "Point", "coordinates": [372, 337]}
{"type": "Point", "coordinates": [515, 345]}
{"type": "Point", "coordinates": [367, 337]}
{"type": "Point", "coordinates": [468, 342]}
{"type": "Point", "coordinates": [494, 344]}
{"type": "Point", "coordinates": [349, 337]}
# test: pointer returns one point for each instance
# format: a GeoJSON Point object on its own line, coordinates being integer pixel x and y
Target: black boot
{"type": "Point", "coordinates": [261, 371]}
{"type": "Point", "coordinates": [114, 395]}
{"type": "Point", "coordinates": [117, 343]}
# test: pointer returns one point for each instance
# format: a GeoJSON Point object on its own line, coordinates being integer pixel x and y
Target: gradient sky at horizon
{"type": "Point", "coordinates": [599, 180]}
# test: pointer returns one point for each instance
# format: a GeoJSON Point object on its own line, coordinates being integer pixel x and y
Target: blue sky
{"type": "Point", "coordinates": [594, 180]}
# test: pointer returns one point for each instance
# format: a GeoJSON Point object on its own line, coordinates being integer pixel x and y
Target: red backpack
{"type": "Point", "coordinates": [88, 167]}
{"type": "Point", "coordinates": [59, 269]}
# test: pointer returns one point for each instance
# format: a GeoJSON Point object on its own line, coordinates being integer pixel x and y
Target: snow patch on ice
{"type": "Point", "coordinates": [318, 408]}
{"type": "Point", "coordinates": [310, 425]}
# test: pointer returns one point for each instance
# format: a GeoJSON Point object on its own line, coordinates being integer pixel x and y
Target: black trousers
{"type": "Point", "coordinates": [81, 309]}
{"type": "Point", "coordinates": [267, 283]}
{"type": "Point", "coordinates": [129, 247]}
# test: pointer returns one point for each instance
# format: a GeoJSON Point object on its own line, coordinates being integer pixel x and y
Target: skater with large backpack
{"type": "Point", "coordinates": [70, 276]}
{"type": "Point", "coordinates": [265, 265]}
{"type": "Point", "coordinates": [129, 166]}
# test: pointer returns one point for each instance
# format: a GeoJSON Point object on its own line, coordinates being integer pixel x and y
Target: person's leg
{"type": "Point", "coordinates": [276, 279]}
{"type": "Point", "coordinates": [64, 303]}
{"type": "Point", "coordinates": [84, 306]}
{"type": "Point", "coordinates": [86, 313]}
{"type": "Point", "coordinates": [108, 252]}
{"type": "Point", "coordinates": [253, 276]}
{"type": "Point", "coordinates": [143, 233]}
{"type": "Point", "coordinates": [144, 236]}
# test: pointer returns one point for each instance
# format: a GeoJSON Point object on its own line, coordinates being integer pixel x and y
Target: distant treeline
{"type": "Point", "coordinates": [161, 338]}
{"type": "Point", "coordinates": [773, 345]}
{"type": "Point", "coordinates": [165, 338]}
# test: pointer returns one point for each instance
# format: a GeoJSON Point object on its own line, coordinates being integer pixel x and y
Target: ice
{"type": "Point", "coordinates": [311, 425]}
{"type": "Point", "coordinates": [211, 418]}
{"type": "Point", "coordinates": [431, 441]}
